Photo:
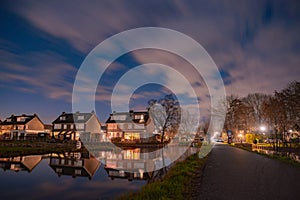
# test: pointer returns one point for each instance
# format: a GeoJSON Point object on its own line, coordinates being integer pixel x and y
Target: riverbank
{"type": "Point", "coordinates": [277, 156]}
{"type": "Point", "coordinates": [178, 183]}
{"type": "Point", "coordinates": [23, 148]}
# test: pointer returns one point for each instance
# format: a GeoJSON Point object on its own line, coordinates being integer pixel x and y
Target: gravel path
{"type": "Point", "coordinates": [232, 173]}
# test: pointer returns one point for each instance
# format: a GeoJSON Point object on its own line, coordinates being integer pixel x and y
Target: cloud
{"type": "Point", "coordinates": [82, 24]}
{"type": "Point", "coordinates": [257, 43]}
{"type": "Point", "coordinates": [43, 73]}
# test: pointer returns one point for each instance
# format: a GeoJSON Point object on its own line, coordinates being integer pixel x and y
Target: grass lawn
{"type": "Point", "coordinates": [22, 148]}
{"type": "Point", "coordinates": [177, 184]}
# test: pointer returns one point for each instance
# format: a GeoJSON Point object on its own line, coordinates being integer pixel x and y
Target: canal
{"type": "Point", "coordinates": [75, 175]}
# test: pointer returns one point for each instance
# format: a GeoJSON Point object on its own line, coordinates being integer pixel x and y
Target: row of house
{"type": "Point", "coordinates": [125, 126]}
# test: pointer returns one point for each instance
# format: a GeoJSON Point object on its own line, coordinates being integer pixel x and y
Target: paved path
{"type": "Point", "coordinates": [232, 173]}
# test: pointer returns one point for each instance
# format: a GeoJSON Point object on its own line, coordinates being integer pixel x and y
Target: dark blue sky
{"type": "Point", "coordinates": [255, 44]}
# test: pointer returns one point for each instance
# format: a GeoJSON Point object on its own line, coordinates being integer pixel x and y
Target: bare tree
{"type": "Point", "coordinates": [187, 124]}
{"type": "Point", "coordinates": [274, 113]}
{"type": "Point", "coordinates": [282, 111]}
{"type": "Point", "coordinates": [166, 114]}
{"type": "Point", "coordinates": [290, 97]}
{"type": "Point", "coordinates": [254, 102]}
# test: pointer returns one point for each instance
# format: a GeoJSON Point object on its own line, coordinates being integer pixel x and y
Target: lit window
{"type": "Point", "coordinates": [139, 117]}
{"type": "Point", "coordinates": [62, 118]}
{"type": "Point", "coordinates": [21, 119]}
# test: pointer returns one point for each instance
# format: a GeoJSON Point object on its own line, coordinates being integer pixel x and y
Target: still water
{"type": "Point", "coordinates": [75, 175]}
{"type": "Point", "coordinates": [292, 153]}
{"type": "Point", "coordinates": [60, 177]}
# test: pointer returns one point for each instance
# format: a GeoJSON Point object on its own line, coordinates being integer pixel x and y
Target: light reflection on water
{"type": "Point", "coordinates": [292, 154]}
{"type": "Point", "coordinates": [54, 177]}
{"type": "Point", "coordinates": [74, 175]}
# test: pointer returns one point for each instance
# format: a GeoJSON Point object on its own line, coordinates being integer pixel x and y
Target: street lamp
{"type": "Point", "coordinates": [262, 128]}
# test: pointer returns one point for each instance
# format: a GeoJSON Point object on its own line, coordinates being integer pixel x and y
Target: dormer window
{"type": "Point", "coordinates": [62, 118]}
{"type": "Point", "coordinates": [21, 119]}
{"type": "Point", "coordinates": [139, 117]}
{"type": "Point", "coordinates": [118, 117]}
{"type": "Point", "coordinates": [80, 117]}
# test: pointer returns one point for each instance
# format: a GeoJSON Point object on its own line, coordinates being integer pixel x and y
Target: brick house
{"type": "Point", "coordinates": [87, 127]}
{"type": "Point", "coordinates": [74, 164]}
{"type": "Point", "coordinates": [20, 126]}
{"type": "Point", "coordinates": [20, 163]}
{"type": "Point", "coordinates": [130, 126]}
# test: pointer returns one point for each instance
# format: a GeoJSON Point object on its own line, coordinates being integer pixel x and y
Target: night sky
{"type": "Point", "coordinates": [255, 44]}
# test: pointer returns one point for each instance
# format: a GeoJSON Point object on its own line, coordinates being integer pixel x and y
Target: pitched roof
{"type": "Point", "coordinates": [69, 118]}
{"type": "Point", "coordinates": [127, 117]}
{"type": "Point", "coordinates": [48, 126]}
{"type": "Point", "coordinates": [19, 119]}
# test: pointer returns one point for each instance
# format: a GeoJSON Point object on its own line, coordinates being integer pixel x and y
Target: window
{"type": "Point", "coordinates": [139, 116]}
{"type": "Point", "coordinates": [57, 126]}
{"type": "Point", "coordinates": [77, 172]}
{"type": "Point", "coordinates": [20, 127]}
{"type": "Point", "coordinates": [111, 126]}
{"type": "Point", "coordinates": [64, 126]}
{"type": "Point", "coordinates": [78, 163]}
{"type": "Point", "coordinates": [118, 117]}
{"type": "Point", "coordinates": [59, 170]}
{"type": "Point", "coordinates": [71, 126]}
{"type": "Point", "coordinates": [21, 119]}
{"type": "Point", "coordinates": [79, 126]}
{"type": "Point", "coordinates": [80, 117]}
{"type": "Point", "coordinates": [62, 118]}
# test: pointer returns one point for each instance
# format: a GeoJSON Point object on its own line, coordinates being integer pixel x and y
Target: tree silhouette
{"type": "Point", "coordinates": [165, 113]}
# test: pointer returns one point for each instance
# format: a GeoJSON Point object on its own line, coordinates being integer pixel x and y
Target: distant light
{"type": "Point", "coordinates": [290, 130]}
{"type": "Point", "coordinates": [240, 135]}
{"type": "Point", "coordinates": [262, 128]}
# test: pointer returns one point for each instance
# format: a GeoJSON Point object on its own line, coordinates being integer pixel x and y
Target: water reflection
{"type": "Point", "coordinates": [74, 164]}
{"type": "Point", "coordinates": [80, 175]}
{"type": "Point", "coordinates": [20, 163]}
{"type": "Point", "coordinates": [143, 163]}
{"type": "Point", "coordinates": [293, 154]}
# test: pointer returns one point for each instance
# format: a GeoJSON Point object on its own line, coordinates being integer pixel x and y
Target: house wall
{"type": "Point", "coordinates": [93, 125]}
{"type": "Point", "coordinates": [35, 124]}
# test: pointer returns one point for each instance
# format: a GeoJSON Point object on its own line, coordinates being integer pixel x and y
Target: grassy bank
{"type": "Point", "coordinates": [23, 148]}
{"type": "Point", "coordinates": [177, 184]}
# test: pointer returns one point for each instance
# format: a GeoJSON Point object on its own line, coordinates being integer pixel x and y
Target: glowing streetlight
{"type": "Point", "coordinates": [262, 128]}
